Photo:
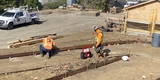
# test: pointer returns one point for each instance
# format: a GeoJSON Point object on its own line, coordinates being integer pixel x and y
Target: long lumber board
{"type": "Point", "coordinates": [138, 30]}
{"type": "Point", "coordinates": [32, 42]}
{"type": "Point", "coordinates": [114, 18]}
{"type": "Point", "coordinates": [31, 38]}
{"type": "Point", "coordinates": [91, 45]}
{"type": "Point", "coordinates": [65, 48]}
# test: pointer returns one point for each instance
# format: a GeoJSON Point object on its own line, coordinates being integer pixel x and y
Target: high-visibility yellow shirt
{"type": "Point", "coordinates": [98, 36]}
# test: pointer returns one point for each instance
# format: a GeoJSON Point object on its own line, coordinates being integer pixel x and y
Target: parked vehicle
{"type": "Point", "coordinates": [115, 10]}
{"type": "Point", "coordinates": [16, 16]}
{"type": "Point", "coordinates": [117, 7]}
{"type": "Point", "coordinates": [130, 3]}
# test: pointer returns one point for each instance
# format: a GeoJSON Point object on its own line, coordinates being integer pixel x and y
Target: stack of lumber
{"type": "Point", "coordinates": [115, 20]}
{"type": "Point", "coordinates": [31, 40]}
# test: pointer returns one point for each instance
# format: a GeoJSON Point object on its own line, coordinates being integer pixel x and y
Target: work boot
{"type": "Point", "coordinates": [47, 55]}
{"type": "Point", "coordinates": [41, 55]}
{"type": "Point", "coordinates": [100, 57]}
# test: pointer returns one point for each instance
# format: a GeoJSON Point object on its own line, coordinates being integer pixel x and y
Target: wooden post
{"type": "Point", "coordinates": [125, 26]}
{"type": "Point", "coordinates": [124, 21]}
{"type": "Point", "coordinates": [150, 22]}
{"type": "Point", "coordinates": [123, 18]}
{"type": "Point", "coordinates": [153, 21]}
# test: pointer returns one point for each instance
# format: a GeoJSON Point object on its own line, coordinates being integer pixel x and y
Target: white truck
{"type": "Point", "coordinates": [16, 16]}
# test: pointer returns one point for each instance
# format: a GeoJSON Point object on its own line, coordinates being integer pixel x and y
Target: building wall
{"type": "Point", "coordinates": [158, 13]}
{"type": "Point", "coordinates": [143, 13]}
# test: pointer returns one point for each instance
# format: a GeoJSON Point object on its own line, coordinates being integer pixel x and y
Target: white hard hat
{"type": "Point", "coordinates": [95, 28]}
{"type": "Point", "coordinates": [125, 58]}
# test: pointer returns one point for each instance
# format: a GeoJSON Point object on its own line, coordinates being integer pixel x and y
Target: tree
{"type": "Point", "coordinates": [79, 2]}
{"type": "Point", "coordinates": [97, 4]}
{"type": "Point", "coordinates": [54, 5]}
{"type": "Point", "coordinates": [17, 3]}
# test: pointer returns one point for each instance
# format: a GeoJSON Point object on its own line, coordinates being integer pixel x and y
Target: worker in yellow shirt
{"type": "Point", "coordinates": [47, 47]}
{"type": "Point", "coordinates": [99, 39]}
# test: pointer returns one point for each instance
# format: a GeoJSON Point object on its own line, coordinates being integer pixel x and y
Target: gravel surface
{"type": "Point", "coordinates": [77, 29]}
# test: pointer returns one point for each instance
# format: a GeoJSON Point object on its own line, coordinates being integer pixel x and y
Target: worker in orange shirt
{"type": "Point", "coordinates": [47, 47]}
{"type": "Point", "coordinates": [99, 39]}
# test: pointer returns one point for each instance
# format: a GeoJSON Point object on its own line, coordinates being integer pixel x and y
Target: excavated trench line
{"type": "Point", "coordinates": [73, 72]}
{"type": "Point", "coordinates": [89, 67]}
{"type": "Point", "coordinates": [5, 56]}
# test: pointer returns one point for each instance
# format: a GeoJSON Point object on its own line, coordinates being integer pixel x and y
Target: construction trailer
{"type": "Point", "coordinates": [117, 7]}
{"type": "Point", "coordinates": [115, 10]}
{"type": "Point", "coordinates": [143, 17]}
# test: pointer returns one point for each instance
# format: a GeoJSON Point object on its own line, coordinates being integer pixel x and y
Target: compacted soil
{"type": "Point", "coordinates": [77, 29]}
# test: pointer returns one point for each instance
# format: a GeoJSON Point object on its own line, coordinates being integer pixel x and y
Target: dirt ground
{"type": "Point", "coordinates": [77, 29]}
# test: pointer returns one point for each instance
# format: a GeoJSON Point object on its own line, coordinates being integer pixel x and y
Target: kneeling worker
{"type": "Point", "coordinates": [47, 47]}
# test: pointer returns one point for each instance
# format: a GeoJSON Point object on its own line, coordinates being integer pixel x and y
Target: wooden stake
{"type": "Point", "coordinates": [45, 63]}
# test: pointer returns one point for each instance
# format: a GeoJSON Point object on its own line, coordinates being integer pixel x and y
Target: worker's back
{"type": "Point", "coordinates": [48, 43]}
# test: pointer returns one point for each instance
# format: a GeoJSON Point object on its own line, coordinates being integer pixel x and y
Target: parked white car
{"type": "Point", "coordinates": [130, 3]}
{"type": "Point", "coordinates": [16, 16]}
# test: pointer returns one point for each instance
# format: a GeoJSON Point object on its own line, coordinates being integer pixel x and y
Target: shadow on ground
{"type": "Point", "coordinates": [56, 50]}
{"type": "Point", "coordinates": [106, 51]}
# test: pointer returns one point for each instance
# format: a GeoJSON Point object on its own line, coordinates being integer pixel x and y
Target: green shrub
{"type": "Point", "coordinates": [53, 5]}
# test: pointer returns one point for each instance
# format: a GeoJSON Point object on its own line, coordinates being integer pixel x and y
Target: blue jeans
{"type": "Point", "coordinates": [43, 50]}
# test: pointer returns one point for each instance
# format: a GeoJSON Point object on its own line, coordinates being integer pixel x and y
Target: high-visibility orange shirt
{"type": "Point", "coordinates": [98, 36]}
{"type": "Point", "coordinates": [48, 43]}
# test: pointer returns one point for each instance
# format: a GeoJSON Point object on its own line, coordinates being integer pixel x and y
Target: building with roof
{"type": "Point", "coordinates": [146, 14]}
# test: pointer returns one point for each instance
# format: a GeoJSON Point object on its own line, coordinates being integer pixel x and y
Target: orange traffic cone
{"type": "Point", "coordinates": [107, 13]}
{"type": "Point", "coordinates": [100, 14]}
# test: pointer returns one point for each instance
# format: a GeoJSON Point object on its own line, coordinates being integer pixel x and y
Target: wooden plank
{"type": "Point", "coordinates": [118, 21]}
{"type": "Point", "coordinates": [31, 38]}
{"type": "Point", "coordinates": [32, 42]}
{"type": "Point", "coordinates": [18, 54]}
{"type": "Point", "coordinates": [158, 13]}
{"type": "Point", "coordinates": [13, 42]}
{"type": "Point", "coordinates": [135, 21]}
{"type": "Point", "coordinates": [66, 48]}
{"type": "Point", "coordinates": [114, 18]}
{"type": "Point", "coordinates": [138, 30]}
{"type": "Point", "coordinates": [154, 20]}
{"type": "Point", "coordinates": [43, 36]}
{"type": "Point", "coordinates": [91, 45]}
{"type": "Point", "coordinates": [73, 72]}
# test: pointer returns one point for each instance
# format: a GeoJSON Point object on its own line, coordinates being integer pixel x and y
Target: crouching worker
{"type": "Point", "coordinates": [99, 39]}
{"type": "Point", "coordinates": [47, 47]}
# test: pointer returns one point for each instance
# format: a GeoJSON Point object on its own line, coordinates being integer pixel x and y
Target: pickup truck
{"type": "Point", "coordinates": [16, 16]}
